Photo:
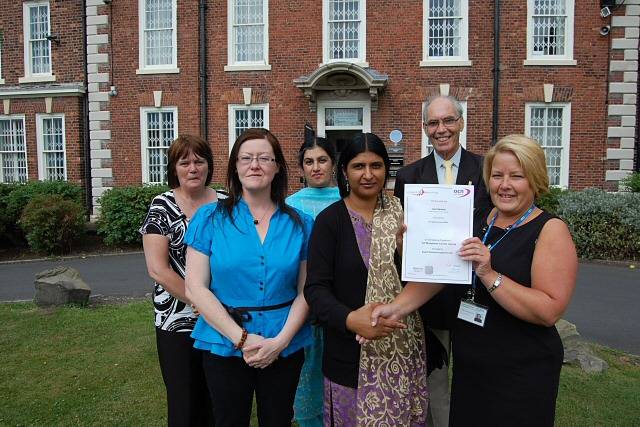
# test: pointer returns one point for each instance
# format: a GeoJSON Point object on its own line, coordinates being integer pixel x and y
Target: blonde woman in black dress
{"type": "Point", "coordinates": [507, 371]}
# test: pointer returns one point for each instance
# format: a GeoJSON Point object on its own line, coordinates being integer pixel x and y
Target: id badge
{"type": "Point", "coordinates": [472, 312]}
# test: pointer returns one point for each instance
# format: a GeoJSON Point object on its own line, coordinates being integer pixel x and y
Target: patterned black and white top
{"type": "Point", "coordinates": [166, 218]}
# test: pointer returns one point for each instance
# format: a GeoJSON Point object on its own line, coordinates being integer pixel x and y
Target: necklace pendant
{"type": "Point", "coordinates": [256, 222]}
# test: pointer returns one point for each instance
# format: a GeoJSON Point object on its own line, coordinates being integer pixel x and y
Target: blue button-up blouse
{"type": "Point", "coordinates": [248, 273]}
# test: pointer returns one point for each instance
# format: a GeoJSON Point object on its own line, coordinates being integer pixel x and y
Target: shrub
{"type": "Point", "coordinates": [632, 182]}
{"type": "Point", "coordinates": [14, 198]}
{"type": "Point", "coordinates": [122, 211]}
{"type": "Point", "coordinates": [51, 223]}
{"type": "Point", "coordinates": [6, 224]}
{"type": "Point", "coordinates": [549, 201]}
{"type": "Point", "coordinates": [604, 225]}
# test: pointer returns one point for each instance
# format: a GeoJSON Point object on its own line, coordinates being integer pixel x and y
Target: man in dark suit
{"type": "Point", "coordinates": [449, 163]}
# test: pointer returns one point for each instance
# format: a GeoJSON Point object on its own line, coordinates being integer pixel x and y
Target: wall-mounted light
{"type": "Point", "coordinates": [605, 30]}
{"type": "Point", "coordinates": [54, 38]}
{"type": "Point", "coordinates": [605, 11]}
{"type": "Point", "coordinates": [113, 91]}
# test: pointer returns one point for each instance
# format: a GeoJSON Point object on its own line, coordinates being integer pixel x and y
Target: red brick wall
{"type": "Point", "coordinates": [67, 66]}
{"type": "Point", "coordinates": [394, 47]}
{"type": "Point", "coordinates": [72, 108]}
{"type": "Point", "coordinates": [66, 57]}
{"type": "Point", "coordinates": [135, 91]}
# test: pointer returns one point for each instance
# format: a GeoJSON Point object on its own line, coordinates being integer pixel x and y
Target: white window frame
{"type": "Point", "coordinates": [24, 129]}
{"type": "Point", "coordinates": [232, 108]}
{"type": "Point", "coordinates": [29, 75]}
{"type": "Point", "coordinates": [321, 116]}
{"type": "Point", "coordinates": [144, 134]}
{"type": "Point", "coordinates": [40, 140]}
{"type": "Point", "coordinates": [143, 68]}
{"type": "Point", "coordinates": [567, 58]}
{"type": "Point", "coordinates": [426, 148]}
{"type": "Point", "coordinates": [232, 64]}
{"type": "Point", "coordinates": [361, 60]}
{"type": "Point", "coordinates": [566, 134]}
{"type": "Point", "coordinates": [461, 60]}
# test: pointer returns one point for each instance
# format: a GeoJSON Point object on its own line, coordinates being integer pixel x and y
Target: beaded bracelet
{"type": "Point", "coordinates": [243, 338]}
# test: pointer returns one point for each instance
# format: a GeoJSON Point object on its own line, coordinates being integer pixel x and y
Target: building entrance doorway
{"type": "Point", "coordinates": [340, 138]}
{"type": "Point", "coordinates": [340, 121]}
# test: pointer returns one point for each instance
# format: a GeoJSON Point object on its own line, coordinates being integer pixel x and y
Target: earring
{"type": "Point", "coordinates": [348, 188]}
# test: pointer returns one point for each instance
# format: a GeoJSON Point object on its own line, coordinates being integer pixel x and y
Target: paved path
{"type": "Point", "coordinates": [605, 306]}
{"type": "Point", "coordinates": [112, 275]}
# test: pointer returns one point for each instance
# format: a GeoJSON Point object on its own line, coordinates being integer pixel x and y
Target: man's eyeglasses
{"type": "Point", "coordinates": [263, 159]}
{"type": "Point", "coordinates": [448, 122]}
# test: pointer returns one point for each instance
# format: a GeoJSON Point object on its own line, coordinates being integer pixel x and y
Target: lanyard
{"type": "Point", "coordinates": [471, 293]}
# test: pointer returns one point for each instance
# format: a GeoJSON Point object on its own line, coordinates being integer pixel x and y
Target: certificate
{"type": "Point", "coordinates": [438, 219]}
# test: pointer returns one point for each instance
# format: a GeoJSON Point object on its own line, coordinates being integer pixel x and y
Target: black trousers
{"type": "Point", "coordinates": [232, 383]}
{"type": "Point", "coordinates": [188, 399]}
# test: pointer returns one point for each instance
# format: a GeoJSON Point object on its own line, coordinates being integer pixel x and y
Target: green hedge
{"type": "Point", "coordinates": [550, 200]}
{"type": "Point", "coordinates": [632, 182]}
{"type": "Point", "coordinates": [604, 225]}
{"type": "Point", "coordinates": [122, 211]}
{"type": "Point", "coordinates": [14, 198]}
{"type": "Point", "coordinates": [52, 223]}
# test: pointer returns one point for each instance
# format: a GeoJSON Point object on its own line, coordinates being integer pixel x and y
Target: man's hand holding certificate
{"type": "Point", "coordinates": [438, 219]}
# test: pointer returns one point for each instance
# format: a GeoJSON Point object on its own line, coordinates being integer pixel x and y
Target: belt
{"type": "Point", "coordinates": [241, 314]}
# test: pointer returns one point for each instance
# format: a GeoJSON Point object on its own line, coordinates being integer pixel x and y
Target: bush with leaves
{"type": "Point", "coordinates": [14, 198]}
{"type": "Point", "coordinates": [6, 225]}
{"type": "Point", "coordinates": [51, 223]}
{"type": "Point", "coordinates": [549, 201]}
{"type": "Point", "coordinates": [122, 210]}
{"type": "Point", "coordinates": [632, 182]}
{"type": "Point", "coordinates": [604, 225]}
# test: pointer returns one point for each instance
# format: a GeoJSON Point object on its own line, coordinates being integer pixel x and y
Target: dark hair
{"type": "Point", "coordinates": [361, 143]}
{"type": "Point", "coordinates": [278, 185]}
{"type": "Point", "coordinates": [317, 142]}
{"type": "Point", "coordinates": [180, 148]}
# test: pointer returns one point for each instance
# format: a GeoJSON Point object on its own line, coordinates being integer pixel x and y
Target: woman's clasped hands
{"type": "Point", "coordinates": [260, 352]}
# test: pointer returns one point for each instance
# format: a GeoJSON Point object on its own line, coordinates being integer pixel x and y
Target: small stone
{"type": "Point", "coordinates": [577, 351]}
{"type": "Point", "coordinates": [60, 286]}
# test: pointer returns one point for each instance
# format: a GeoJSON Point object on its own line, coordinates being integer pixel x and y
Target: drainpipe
{"type": "Point", "coordinates": [85, 116]}
{"type": "Point", "coordinates": [496, 71]}
{"type": "Point", "coordinates": [202, 15]}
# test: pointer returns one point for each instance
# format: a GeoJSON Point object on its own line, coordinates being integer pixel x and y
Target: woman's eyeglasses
{"type": "Point", "coordinates": [263, 159]}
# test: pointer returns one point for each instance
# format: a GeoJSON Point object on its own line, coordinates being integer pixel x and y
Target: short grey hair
{"type": "Point", "coordinates": [456, 104]}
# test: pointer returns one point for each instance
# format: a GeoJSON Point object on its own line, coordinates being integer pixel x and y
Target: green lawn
{"type": "Point", "coordinates": [98, 366]}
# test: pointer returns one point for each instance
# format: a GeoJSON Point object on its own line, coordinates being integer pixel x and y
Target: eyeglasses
{"type": "Point", "coordinates": [448, 122]}
{"type": "Point", "coordinates": [263, 159]}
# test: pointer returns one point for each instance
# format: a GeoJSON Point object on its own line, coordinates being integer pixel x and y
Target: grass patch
{"type": "Point", "coordinates": [98, 366]}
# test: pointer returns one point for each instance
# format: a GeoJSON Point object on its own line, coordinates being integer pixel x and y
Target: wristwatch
{"type": "Point", "coordinates": [496, 283]}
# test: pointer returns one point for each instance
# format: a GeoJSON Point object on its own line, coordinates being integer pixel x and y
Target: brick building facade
{"type": "Point", "coordinates": [158, 68]}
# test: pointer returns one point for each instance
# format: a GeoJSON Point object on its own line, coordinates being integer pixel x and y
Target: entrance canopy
{"type": "Point", "coordinates": [342, 79]}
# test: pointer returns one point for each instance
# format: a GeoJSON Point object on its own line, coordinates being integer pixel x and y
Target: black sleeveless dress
{"type": "Point", "coordinates": [507, 372]}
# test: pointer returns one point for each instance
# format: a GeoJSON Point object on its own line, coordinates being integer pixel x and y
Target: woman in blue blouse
{"type": "Point", "coordinates": [317, 160]}
{"type": "Point", "coordinates": [246, 267]}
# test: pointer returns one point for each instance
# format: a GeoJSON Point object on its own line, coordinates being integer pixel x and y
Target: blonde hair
{"type": "Point", "coordinates": [530, 156]}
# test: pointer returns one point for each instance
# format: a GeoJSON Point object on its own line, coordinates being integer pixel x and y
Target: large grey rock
{"type": "Point", "coordinates": [577, 351]}
{"type": "Point", "coordinates": [60, 286]}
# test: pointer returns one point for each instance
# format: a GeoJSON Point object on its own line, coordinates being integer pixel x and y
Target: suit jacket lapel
{"type": "Point", "coordinates": [466, 170]}
{"type": "Point", "coordinates": [429, 175]}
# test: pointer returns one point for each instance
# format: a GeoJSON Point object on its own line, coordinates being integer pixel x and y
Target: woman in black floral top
{"type": "Point", "coordinates": [189, 169]}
